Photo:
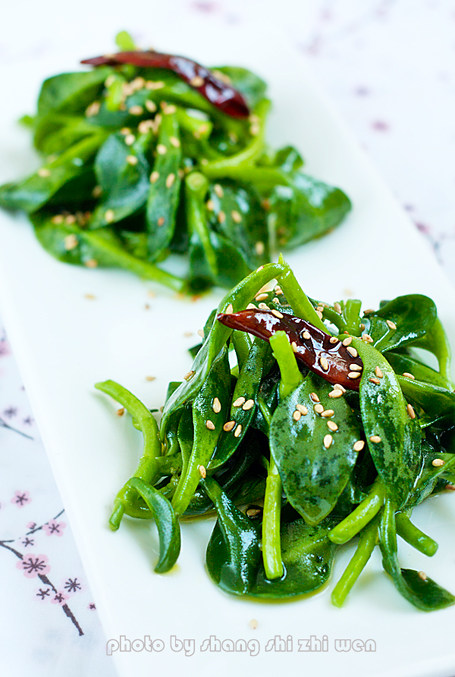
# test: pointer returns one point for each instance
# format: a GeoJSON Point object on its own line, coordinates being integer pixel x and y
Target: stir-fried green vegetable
{"type": "Point", "coordinates": [325, 427]}
{"type": "Point", "coordinates": [149, 154]}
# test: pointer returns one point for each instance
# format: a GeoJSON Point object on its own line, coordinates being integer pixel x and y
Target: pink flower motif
{"type": "Point", "coordinates": [32, 565]}
{"type": "Point", "coordinates": [21, 498]}
{"type": "Point", "coordinates": [54, 528]}
{"type": "Point", "coordinates": [30, 525]}
{"type": "Point", "coordinates": [59, 598]}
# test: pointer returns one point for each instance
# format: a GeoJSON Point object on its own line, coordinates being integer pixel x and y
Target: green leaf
{"type": "Point", "coordinates": [397, 454]}
{"type": "Point", "coordinates": [313, 476]}
{"type": "Point", "coordinates": [414, 315]}
{"type": "Point", "coordinates": [71, 92]}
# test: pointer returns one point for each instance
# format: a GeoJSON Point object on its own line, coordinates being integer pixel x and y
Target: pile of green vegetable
{"type": "Point", "coordinates": [293, 463]}
{"type": "Point", "coordinates": [139, 164]}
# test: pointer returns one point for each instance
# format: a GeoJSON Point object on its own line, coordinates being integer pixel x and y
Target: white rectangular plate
{"type": "Point", "coordinates": [65, 343]}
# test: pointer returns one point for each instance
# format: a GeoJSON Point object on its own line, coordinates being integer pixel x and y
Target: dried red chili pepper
{"type": "Point", "coordinates": [224, 97]}
{"type": "Point", "coordinates": [320, 352]}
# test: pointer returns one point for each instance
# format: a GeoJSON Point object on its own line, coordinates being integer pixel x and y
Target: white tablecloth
{"type": "Point", "coordinates": [389, 67]}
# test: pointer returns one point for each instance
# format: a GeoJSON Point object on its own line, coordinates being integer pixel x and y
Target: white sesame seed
{"type": "Point", "coordinates": [337, 307]}
{"type": "Point", "coordinates": [263, 306]}
{"type": "Point", "coordinates": [391, 324]}
{"type": "Point", "coordinates": [437, 462]}
{"type": "Point", "coordinates": [251, 306]}
{"type": "Point", "coordinates": [355, 367]}
{"type": "Point", "coordinates": [228, 426]}
{"type": "Point", "coordinates": [109, 216]}
{"type": "Point", "coordinates": [218, 190]}
{"type": "Point", "coordinates": [174, 142]}
{"type": "Point", "coordinates": [170, 180]}
{"type": "Point", "coordinates": [202, 471]}
{"type": "Point", "coordinates": [154, 176]}
{"type": "Point", "coordinates": [261, 297]}
{"type": "Point", "coordinates": [259, 248]}
{"type": "Point", "coordinates": [221, 217]}
{"type": "Point", "coordinates": [328, 439]}
{"type": "Point", "coordinates": [154, 85]}
{"type": "Point", "coordinates": [57, 219]}
{"type": "Point", "coordinates": [327, 413]}
{"type": "Point", "coordinates": [130, 139]}
{"type": "Point", "coordinates": [314, 397]}
{"type": "Point", "coordinates": [277, 314]}
{"type": "Point", "coordinates": [423, 575]}
{"type": "Point", "coordinates": [161, 149]}
{"type": "Point", "coordinates": [135, 110]}
{"type": "Point", "coordinates": [303, 410]}
{"type": "Point", "coordinates": [306, 335]}
{"type": "Point", "coordinates": [131, 160]}
{"type": "Point", "coordinates": [229, 309]}
{"type": "Point", "coordinates": [44, 172]}
{"type": "Point", "coordinates": [150, 105]}
{"type": "Point", "coordinates": [375, 439]}
{"type": "Point", "coordinates": [338, 386]}
{"type": "Point", "coordinates": [216, 406]}
{"type": "Point", "coordinates": [239, 402]}
{"type": "Point", "coordinates": [332, 426]}
{"type": "Point", "coordinates": [406, 374]}
{"type": "Point", "coordinates": [197, 81]}
{"type": "Point", "coordinates": [294, 346]}
{"type": "Point", "coordinates": [358, 446]}
{"type": "Point", "coordinates": [347, 341]}
{"type": "Point", "coordinates": [236, 216]}
{"type": "Point", "coordinates": [238, 431]}
{"type": "Point", "coordinates": [297, 415]}
{"type": "Point", "coordinates": [411, 411]}
{"type": "Point", "coordinates": [354, 374]}
{"type": "Point", "coordinates": [91, 263]}
{"type": "Point", "coordinates": [334, 394]}
{"type": "Point", "coordinates": [210, 205]}
{"type": "Point", "coordinates": [367, 338]}
{"type": "Point", "coordinates": [249, 404]}
{"type": "Point", "coordinates": [318, 408]}
{"type": "Point", "coordinates": [378, 372]}
{"type": "Point", "coordinates": [333, 339]}
{"type": "Point", "coordinates": [352, 351]}
{"type": "Point", "coordinates": [324, 363]}
{"type": "Point", "coordinates": [71, 242]}
{"type": "Point", "coordinates": [209, 424]}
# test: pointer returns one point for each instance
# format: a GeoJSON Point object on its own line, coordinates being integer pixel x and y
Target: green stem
{"type": "Point", "coordinates": [414, 536]}
{"type": "Point", "coordinates": [299, 301]}
{"type": "Point", "coordinates": [291, 376]}
{"type": "Point", "coordinates": [360, 517]}
{"type": "Point", "coordinates": [365, 547]}
{"type": "Point", "coordinates": [271, 539]}
{"type": "Point", "coordinates": [351, 316]}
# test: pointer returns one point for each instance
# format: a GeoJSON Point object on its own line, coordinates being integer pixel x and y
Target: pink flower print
{"type": "Point", "coordinates": [31, 525]}
{"type": "Point", "coordinates": [59, 598]}
{"type": "Point", "coordinates": [54, 528]}
{"type": "Point", "coordinates": [32, 565]}
{"type": "Point", "coordinates": [21, 498]}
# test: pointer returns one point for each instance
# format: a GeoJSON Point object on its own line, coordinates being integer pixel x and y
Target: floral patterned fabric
{"type": "Point", "coordinates": [367, 56]}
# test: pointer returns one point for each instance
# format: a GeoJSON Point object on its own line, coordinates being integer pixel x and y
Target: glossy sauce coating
{"type": "Point", "coordinates": [221, 95]}
{"type": "Point", "coordinates": [310, 350]}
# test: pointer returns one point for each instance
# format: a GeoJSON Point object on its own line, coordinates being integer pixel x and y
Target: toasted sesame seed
{"type": "Point", "coordinates": [120, 411]}
{"type": "Point", "coordinates": [294, 346]}
{"type": "Point", "coordinates": [57, 219]}
{"type": "Point", "coordinates": [411, 411]}
{"type": "Point", "coordinates": [216, 405]}
{"type": "Point", "coordinates": [358, 446]}
{"type": "Point", "coordinates": [161, 149]}
{"type": "Point", "coordinates": [278, 314]}
{"type": "Point", "coordinates": [197, 81]}
{"type": "Point", "coordinates": [275, 299]}
{"type": "Point", "coordinates": [450, 487]}
{"type": "Point", "coordinates": [408, 375]}
{"type": "Point", "coordinates": [302, 408]}
{"type": "Point", "coordinates": [297, 415]}
{"type": "Point", "coordinates": [333, 339]}
{"type": "Point", "coordinates": [324, 363]}
{"type": "Point", "coordinates": [70, 219]}
{"type": "Point", "coordinates": [150, 378]}
{"type": "Point", "coordinates": [319, 314]}
{"type": "Point", "coordinates": [362, 326]}
{"type": "Point", "coordinates": [328, 439]}
{"type": "Point", "coordinates": [314, 397]}
{"type": "Point", "coordinates": [332, 426]}
{"type": "Point", "coordinates": [352, 351]}
{"type": "Point", "coordinates": [278, 290]}
{"type": "Point", "coordinates": [374, 380]}
{"type": "Point", "coordinates": [423, 575]}
{"type": "Point", "coordinates": [306, 335]}
{"type": "Point", "coordinates": [189, 375]}
{"type": "Point", "coordinates": [337, 307]}
{"type": "Point", "coordinates": [210, 205]}
{"type": "Point", "coordinates": [236, 216]}
{"type": "Point", "coordinates": [135, 110]}
{"type": "Point", "coordinates": [347, 341]}
{"type": "Point", "coordinates": [367, 338]}
{"type": "Point", "coordinates": [91, 263]}
{"type": "Point", "coordinates": [125, 131]}
{"type": "Point", "coordinates": [327, 413]}
{"type": "Point", "coordinates": [375, 439]}
{"type": "Point", "coordinates": [263, 306]}
{"type": "Point", "coordinates": [202, 471]}
{"type": "Point", "coordinates": [170, 180]}
{"type": "Point", "coordinates": [209, 424]}
{"type": "Point", "coordinates": [255, 129]}
{"type": "Point", "coordinates": [239, 402]}
{"type": "Point", "coordinates": [437, 462]}
{"type": "Point", "coordinates": [229, 309]}
{"type": "Point", "coordinates": [218, 190]}
{"type": "Point", "coordinates": [93, 109]}
{"type": "Point", "coordinates": [221, 217]}
{"type": "Point", "coordinates": [109, 215]}
{"type": "Point", "coordinates": [334, 394]}
{"type": "Point", "coordinates": [354, 374]}
{"type": "Point", "coordinates": [228, 426]}
{"type": "Point", "coordinates": [355, 367]}
{"type": "Point", "coordinates": [154, 176]}
{"type": "Point", "coordinates": [318, 408]}
{"type": "Point", "coordinates": [90, 297]}
{"type": "Point", "coordinates": [368, 311]}
{"type": "Point", "coordinates": [249, 404]}
{"type": "Point", "coordinates": [131, 159]}
{"type": "Point", "coordinates": [338, 386]}
{"type": "Point", "coordinates": [150, 105]}
{"type": "Point", "coordinates": [391, 324]}
{"type": "Point", "coordinates": [145, 126]}
{"type": "Point", "coordinates": [130, 139]}
{"type": "Point", "coordinates": [378, 372]}
{"type": "Point", "coordinates": [161, 221]}
{"type": "Point", "coordinates": [174, 141]}
{"type": "Point", "coordinates": [154, 85]}
{"type": "Point", "coordinates": [253, 512]}
{"type": "Point", "coordinates": [261, 297]}
{"type": "Point", "coordinates": [44, 172]}
{"type": "Point", "coordinates": [238, 431]}
{"type": "Point", "coordinates": [259, 248]}
{"type": "Point", "coordinates": [71, 242]}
